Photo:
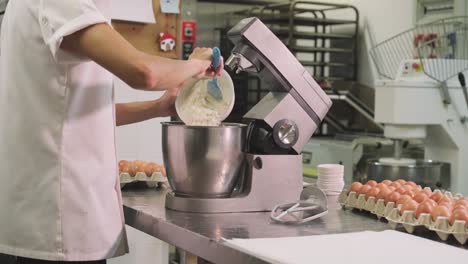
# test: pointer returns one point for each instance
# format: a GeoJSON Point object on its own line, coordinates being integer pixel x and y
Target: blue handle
{"type": "Point", "coordinates": [216, 60]}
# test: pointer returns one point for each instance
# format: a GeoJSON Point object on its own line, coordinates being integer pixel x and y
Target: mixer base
{"type": "Point", "coordinates": [263, 190]}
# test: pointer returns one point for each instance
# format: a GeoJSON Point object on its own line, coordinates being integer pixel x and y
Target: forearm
{"type": "Point", "coordinates": [167, 73]}
{"type": "Point", "coordinates": [109, 49]}
{"type": "Point", "coordinates": [129, 113]}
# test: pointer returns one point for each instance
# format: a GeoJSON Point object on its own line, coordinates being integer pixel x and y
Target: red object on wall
{"type": "Point", "coordinates": [189, 31]}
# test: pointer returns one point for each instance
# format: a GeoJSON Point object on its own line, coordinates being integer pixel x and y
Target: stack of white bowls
{"type": "Point", "coordinates": [330, 178]}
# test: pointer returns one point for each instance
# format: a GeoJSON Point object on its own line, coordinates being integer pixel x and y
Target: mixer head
{"type": "Point", "coordinates": [285, 119]}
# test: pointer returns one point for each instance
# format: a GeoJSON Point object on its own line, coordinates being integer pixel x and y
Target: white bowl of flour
{"type": "Point", "coordinates": [196, 107]}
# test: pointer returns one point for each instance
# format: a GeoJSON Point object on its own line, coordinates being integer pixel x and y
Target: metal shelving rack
{"type": "Point", "coordinates": [322, 36]}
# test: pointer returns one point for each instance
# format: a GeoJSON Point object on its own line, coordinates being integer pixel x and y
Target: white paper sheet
{"type": "Point", "coordinates": [170, 6]}
{"type": "Point", "coordinates": [364, 248]}
{"type": "Point", "coordinates": [133, 10]}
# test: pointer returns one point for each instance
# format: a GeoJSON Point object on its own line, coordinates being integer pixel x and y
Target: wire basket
{"type": "Point", "coordinates": [419, 43]}
{"type": "Point", "coordinates": [445, 56]}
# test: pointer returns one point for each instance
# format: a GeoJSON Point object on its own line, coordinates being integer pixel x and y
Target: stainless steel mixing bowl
{"type": "Point", "coordinates": [203, 162]}
{"type": "Point", "coordinates": [427, 173]}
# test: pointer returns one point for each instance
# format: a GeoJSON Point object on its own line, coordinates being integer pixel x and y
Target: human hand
{"type": "Point", "coordinates": [165, 105]}
{"type": "Point", "coordinates": [202, 57]}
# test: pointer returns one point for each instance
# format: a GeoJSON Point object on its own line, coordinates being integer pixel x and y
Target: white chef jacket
{"type": "Point", "coordinates": [59, 192]}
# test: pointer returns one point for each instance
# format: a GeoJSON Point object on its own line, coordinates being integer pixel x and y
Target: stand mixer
{"type": "Point", "coordinates": [421, 98]}
{"type": "Point", "coordinates": [262, 160]}
{"type": "Point", "coordinates": [399, 105]}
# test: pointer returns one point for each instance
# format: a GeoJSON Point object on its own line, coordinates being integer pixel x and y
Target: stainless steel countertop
{"type": "Point", "coordinates": [203, 234]}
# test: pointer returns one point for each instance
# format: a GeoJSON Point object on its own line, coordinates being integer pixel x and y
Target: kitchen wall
{"type": "Point", "coordinates": [141, 140]}
{"type": "Point", "coordinates": [382, 19]}
{"type": "Point", "coordinates": [379, 20]}
{"type": "Point", "coordinates": [211, 16]}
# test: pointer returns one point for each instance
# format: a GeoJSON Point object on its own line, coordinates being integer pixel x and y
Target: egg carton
{"type": "Point", "coordinates": [382, 210]}
{"type": "Point", "coordinates": [353, 200]}
{"type": "Point", "coordinates": [408, 220]}
{"type": "Point", "coordinates": [378, 207]}
{"type": "Point", "coordinates": [372, 205]}
{"type": "Point", "coordinates": [451, 195]}
{"type": "Point", "coordinates": [441, 226]}
{"type": "Point", "coordinates": [152, 181]}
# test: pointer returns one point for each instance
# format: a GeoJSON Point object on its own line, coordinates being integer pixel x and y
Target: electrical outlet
{"type": "Point", "coordinates": [430, 10]}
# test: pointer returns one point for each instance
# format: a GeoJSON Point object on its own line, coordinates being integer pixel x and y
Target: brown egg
{"type": "Point", "coordinates": [371, 183]}
{"type": "Point", "coordinates": [132, 169]}
{"type": "Point", "coordinates": [407, 187]}
{"type": "Point", "coordinates": [434, 204]}
{"type": "Point", "coordinates": [446, 204]}
{"type": "Point", "coordinates": [411, 183]}
{"type": "Point", "coordinates": [384, 192]}
{"type": "Point", "coordinates": [381, 186]}
{"type": "Point", "coordinates": [372, 192]}
{"type": "Point", "coordinates": [158, 169]}
{"type": "Point", "coordinates": [420, 197]}
{"type": "Point", "coordinates": [125, 169]}
{"type": "Point", "coordinates": [417, 189]}
{"type": "Point", "coordinates": [395, 184]}
{"type": "Point", "coordinates": [393, 197]}
{"type": "Point", "coordinates": [403, 199]}
{"type": "Point", "coordinates": [459, 206]}
{"type": "Point", "coordinates": [460, 214]}
{"type": "Point", "coordinates": [437, 196]}
{"type": "Point", "coordinates": [462, 201]}
{"type": "Point", "coordinates": [400, 190]}
{"type": "Point", "coordinates": [149, 170]}
{"type": "Point", "coordinates": [364, 189]}
{"type": "Point", "coordinates": [440, 211]}
{"type": "Point", "coordinates": [387, 182]}
{"type": "Point", "coordinates": [138, 162]}
{"type": "Point", "coordinates": [410, 193]}
{"type": "Point", "coordinates": [401, 181]}
{"type": "Point", "coordinates": [427, 191]}
{"type": "Point", "coordinates": [446, 200]}
{"type": "Point", "coordinates": [409, 205]}
{"type": "Point", "coordinates": [140, 165]}
{"type": "Point", "coordinates": [392, 188]}
{"type": "Point", "coordinates": [424, 208]}
{"type": "Point", "coordinates": [355, 186]}
{"type": "Point", "coordinates": [123, 163]}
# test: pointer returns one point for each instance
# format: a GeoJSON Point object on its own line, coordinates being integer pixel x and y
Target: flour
{"type": "Point", "coordinates": [198, 108]}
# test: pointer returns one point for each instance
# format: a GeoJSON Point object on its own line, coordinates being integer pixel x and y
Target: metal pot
{"type": "Point", "coordinates": [427, 173]}
{"type": "Point", "coordinates": [203, 162]}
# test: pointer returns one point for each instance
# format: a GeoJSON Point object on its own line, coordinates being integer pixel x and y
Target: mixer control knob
{"type": "Point", "coordinates": [285, 133]}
